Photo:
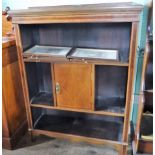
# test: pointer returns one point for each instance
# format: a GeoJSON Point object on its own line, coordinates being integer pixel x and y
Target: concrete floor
{"type": "Point", "coordinates": [48, 146]}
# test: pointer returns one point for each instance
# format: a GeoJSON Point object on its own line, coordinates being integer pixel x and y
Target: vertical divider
{"type": "Point", "coordinates": [53, 84]}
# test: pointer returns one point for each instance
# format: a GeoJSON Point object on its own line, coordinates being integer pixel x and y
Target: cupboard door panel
{"type": "Point", "coordinates": [74, 86]}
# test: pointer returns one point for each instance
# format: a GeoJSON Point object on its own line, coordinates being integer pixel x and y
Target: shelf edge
{"type": "Point", "coordinates": [79, 110]}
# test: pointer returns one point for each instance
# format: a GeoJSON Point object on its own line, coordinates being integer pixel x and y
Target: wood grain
{"type": "Point", "coordinates": [76, 87]}
{"type": "Point", "coordinates": [13, 108]}
{"type": "Point", "coordinates": [120, 12]}
{"type": "Point", "coordinates": [130, 83]}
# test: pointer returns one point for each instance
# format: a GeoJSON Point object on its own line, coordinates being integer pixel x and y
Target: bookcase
{"type": "Point", "coordinates": [77, 66]}
{"type": "Point", "coordinates": [143, 134]}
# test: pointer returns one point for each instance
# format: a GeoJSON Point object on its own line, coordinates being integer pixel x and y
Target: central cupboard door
{"type": "Point", "coordinates": [74, 85]}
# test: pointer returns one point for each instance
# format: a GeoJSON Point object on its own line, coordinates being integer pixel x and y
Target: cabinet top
{"type": "Point", "coordinates": [111, 10]}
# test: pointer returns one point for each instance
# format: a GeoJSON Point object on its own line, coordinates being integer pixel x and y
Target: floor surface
{"type": "Point", "coordinates": [48, 146]}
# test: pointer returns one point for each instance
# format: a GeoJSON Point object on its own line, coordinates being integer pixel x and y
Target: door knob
{"type": "Point", "coordinates": [57, 88]}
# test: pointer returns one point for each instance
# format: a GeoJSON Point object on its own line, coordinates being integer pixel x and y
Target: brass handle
{"type": "Point", "coordinates": [57, 88]}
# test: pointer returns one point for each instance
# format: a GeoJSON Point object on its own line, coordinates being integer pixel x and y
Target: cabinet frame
{"type": "Point", "coordinates": [131, 14]}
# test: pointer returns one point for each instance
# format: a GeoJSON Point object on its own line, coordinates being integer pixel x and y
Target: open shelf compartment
{"type": "Point", "coordinates": [79, 35]}
{"type": "Point", "coordinates": [39, 80]}
{"type": "Point", "coordinates": [110, 88]}
{"type": "Point", "coordinates": [80, 124]}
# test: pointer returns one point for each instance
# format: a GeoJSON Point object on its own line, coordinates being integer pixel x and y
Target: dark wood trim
{"type": "Point", "coordinates": [78, 19]}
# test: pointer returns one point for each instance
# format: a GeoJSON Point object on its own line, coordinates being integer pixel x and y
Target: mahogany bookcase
{"type": "Point", "coordinates": [81, 99]}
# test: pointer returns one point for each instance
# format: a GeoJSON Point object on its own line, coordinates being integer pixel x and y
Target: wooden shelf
{"type": "Point", "coordinates": [99, 62]}
{"type": "Point", "coordinates": [79, 110]}
{"type": "Point", "coordinates": [55, 60]}
{"type": "Point", "coordinates": [39, 53]}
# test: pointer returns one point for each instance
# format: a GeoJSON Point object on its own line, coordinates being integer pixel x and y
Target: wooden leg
{"type": "Point", "coordinates": [32, 137]}
{"type": "Point", "coordinates": [123, 150]}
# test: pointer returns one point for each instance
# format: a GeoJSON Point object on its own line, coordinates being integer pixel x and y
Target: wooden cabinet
{"type": "Point", "coordinates": [14, 120]}
{"type": "Point", "coordinates": [74, 86]}
{"type": "Point", "coordinates": [77, 65]}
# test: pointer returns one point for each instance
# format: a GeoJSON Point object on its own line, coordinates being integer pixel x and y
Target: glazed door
{"type": "Point", "coordinates": [74, 86]}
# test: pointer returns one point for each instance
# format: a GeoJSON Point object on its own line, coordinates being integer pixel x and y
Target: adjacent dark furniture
{"type": "Point", "coordinates": [14, 121]}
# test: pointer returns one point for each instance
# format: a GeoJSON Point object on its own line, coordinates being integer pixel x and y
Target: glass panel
{"type": "Point", "coordinates": [95, 53]}
{"type": "Point", "coordinates": [48, 50]}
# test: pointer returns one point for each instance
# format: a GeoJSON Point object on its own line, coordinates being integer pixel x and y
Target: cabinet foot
{"type": "Point", "coordinates": [33, 137]}
{"type": "Point", "coordinates": [123, 150]}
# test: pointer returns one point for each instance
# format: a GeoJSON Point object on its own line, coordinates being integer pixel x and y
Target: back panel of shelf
{"type": "Point", "coordinates": [110, 88]}
{"type": "Point", "coordinates": [39, 80]}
